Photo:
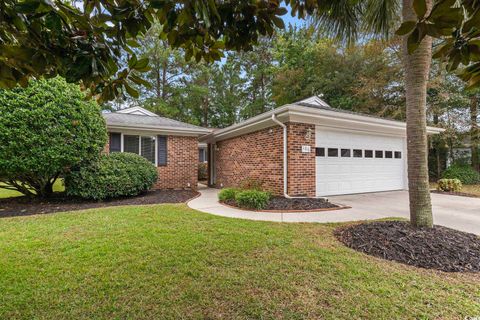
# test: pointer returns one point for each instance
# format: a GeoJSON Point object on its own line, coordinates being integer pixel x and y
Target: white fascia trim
{"type": "Point", "coordinates": [292, 109]}
{"type": "Point", "coordinates": [354, 118]}
{"type": "Point", "coordinates": [171, 130]}
{"type": "Point", "coordinates": [264, 117]}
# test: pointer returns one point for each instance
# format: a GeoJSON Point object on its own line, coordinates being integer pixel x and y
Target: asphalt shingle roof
{"type": "Point", "coordinates": [133, 120]}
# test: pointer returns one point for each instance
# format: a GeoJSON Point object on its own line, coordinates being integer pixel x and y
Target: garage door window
{"type": "Point", "coordinates": [332, 152]}
{"type": "Point", "coordinates": [368, 153]}
{"type": "Point", "coordinates": [398, 155]}
{"type": "Point", "coordinates": [320, 152]}
{"type": "Point", "coordinates": [378, 154]}
{"type": "Point", "coordinates": [357, 153]}
{"type": "Point", "coordinates": [389, 154]}
{"type": "Point", "coordinates": [345, 153]}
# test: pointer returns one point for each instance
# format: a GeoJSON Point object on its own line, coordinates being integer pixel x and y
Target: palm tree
{"type": "Point", "coordinates": [346, 21]}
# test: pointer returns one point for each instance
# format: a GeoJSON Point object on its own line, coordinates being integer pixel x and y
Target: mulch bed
{"type": "Point", "coordinates": [452, 193]}
{"type": "Point", "coordinates": [24, 206]}
{"type": "Point", "coordinates": [438, 248]}
{"type": "Point", "coordinates": [295, 204]}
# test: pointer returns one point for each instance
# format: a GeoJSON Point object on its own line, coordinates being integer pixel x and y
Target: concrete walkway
{"type": "Point", "coordinates": [460, 213]}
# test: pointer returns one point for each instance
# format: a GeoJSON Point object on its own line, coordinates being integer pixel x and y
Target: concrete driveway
{"type": "Point", "coordinates": [460, 213]}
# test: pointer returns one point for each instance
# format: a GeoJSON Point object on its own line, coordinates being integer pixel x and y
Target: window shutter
{"type": "Point", "coordinates": [115, 143]}
{"type": "Point", "coordinates": [162, 150]}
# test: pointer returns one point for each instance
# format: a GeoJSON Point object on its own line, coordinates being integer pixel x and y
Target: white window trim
{"type": "Point", "coordinates": [140, 144]}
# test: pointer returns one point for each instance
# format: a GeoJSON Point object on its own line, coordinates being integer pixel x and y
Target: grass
{"type": "Point", "coordinates": [473, 189]}
{"type": "Point", "coordinates": [4, 193]}
{"type": "Point", "coordinates": [168, 262]}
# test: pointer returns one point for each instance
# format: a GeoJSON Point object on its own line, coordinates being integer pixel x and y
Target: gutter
{"type": "Point", "coordinates": [285, 154]}
{"type": "Point", "coordinates": [285, 160]}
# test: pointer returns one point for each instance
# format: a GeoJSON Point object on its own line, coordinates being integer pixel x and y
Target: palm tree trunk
{"type": "Point", "coordinates": [417, 67]}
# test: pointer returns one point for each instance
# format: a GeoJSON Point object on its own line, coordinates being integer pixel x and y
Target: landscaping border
{"type": "Point", "coordinates": [340, 207]}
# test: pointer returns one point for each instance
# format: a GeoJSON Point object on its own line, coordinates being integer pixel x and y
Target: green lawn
{"type": "Point", "coordinates": [169, 262]}
{"type": "Point", "coordinates": [4, 193]}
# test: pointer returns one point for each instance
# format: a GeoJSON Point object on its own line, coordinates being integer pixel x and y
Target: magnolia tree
{"type": "Point", "coordinates": [45, 129]}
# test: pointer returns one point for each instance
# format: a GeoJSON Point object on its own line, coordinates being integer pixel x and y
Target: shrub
{"type": "Point", "coordinates": [45, 129]}
{"type": "Point", "coordinates": [227, 194]}
{"type": "Point", "coordinates": [466, 174]}
{"type": "Point", "coordinates": [252, 199]}
{"type": "Point", "coordinates": [202, 171]}
{"type": "Point", "coordinates": [113, 175]}
{"type": "Point", "coordinates": [449, 185]}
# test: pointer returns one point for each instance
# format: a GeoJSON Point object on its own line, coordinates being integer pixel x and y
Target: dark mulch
{"type": "Point", "coordinates": [24, 206]}
{"type": "Point", "coordinates": [438, 248]}
{"type": "Point", "coordinates": [288, 204]}
{"type": "Point", "coordinates": [452, 193]}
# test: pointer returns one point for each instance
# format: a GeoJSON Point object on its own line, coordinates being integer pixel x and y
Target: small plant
{"type": "Point", "coordinates": [202, 172]}
{"type": "Point", "coordinates": [112, 176]}
{"type": "Point", "coordinates": [252, 199]}
{"type": "Point", "coordinates": [227, 194]}
{"type": "Point", "coordinates": [449, 185]}
{"type": "Point", "coordinates": [466, 174]}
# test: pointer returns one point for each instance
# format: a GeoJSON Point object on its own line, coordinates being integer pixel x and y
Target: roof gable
{"type": "Point", "coordinates": [139, 111]}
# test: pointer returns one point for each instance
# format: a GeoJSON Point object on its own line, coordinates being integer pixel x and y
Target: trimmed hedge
{"type": "Point", "coordinates": [112, 176]}
{"type": "Point", "coordinates": [252, 199]}
{"type": "Point", "coordinates": [227, 194]}
{"type": "Point", "coordinates": [466, 174]}
{"type": "Point", "coordinates": [449, 185]}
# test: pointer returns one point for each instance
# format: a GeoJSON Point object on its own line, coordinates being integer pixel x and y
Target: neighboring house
{"type": "Point", "coordinates": [311, 149]}
{"type": "Point", "coordinates": [461, 152]}
{"type": "Point", "coordinates": [172, 146]}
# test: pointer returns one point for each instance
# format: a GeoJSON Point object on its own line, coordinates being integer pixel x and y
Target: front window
{"type": "Point", "coordinates": [141, 145]}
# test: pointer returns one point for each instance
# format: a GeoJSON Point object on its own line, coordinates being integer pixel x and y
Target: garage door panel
{"type": "Point", "coordinates": [344, 175]}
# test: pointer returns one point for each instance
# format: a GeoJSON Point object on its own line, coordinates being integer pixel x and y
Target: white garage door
{"type": "Point", "coordinates": [351, 162]}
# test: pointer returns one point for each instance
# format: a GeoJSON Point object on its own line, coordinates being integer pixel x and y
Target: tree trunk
{"type": "Point", "coordinates": [417, 67]}
{"type": "Point", "coordinates": [474, 132]}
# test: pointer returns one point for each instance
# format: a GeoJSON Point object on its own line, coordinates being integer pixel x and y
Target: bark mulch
{"type": "Point", "coordinates": [24, 206]}
{"type": "Point", "coordinates": [438, 248]}
{"type": "Point", "coordinates": [295, 204]}
{"type": "Point", "coordinates": [453, 193]}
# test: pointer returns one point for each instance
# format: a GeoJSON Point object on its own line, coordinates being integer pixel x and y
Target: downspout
{"type": "Point", "coordinates": [285, 155]}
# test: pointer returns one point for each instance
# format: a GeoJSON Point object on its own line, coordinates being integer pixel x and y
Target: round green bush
{"type": "Point", "coordinates": [252, 199]}
{"type": "Point", "coordinates": [227, 194]}
{"type": "Point", "coordinates": [112, 176]}
{"type": "Point", "coordinates": [466, 174]}
{"type": "Point", "coordinates": [45, 129]}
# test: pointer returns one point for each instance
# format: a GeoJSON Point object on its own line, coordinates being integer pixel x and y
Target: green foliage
{"type": "Point", "coordinates": [112, 176]}
{"type": "Point", "coordinates": [252, 199]}
{"type": "Point", "coordinates": [466, 174]}
{"type": "Point", "coordinates": [202, 171]}
{"type": "Point", "coordinates": [94, 37]}
{"type": "Point", "coordinates": [45, 129]}
{"type": "Point", "coordinates": [457, 24]}
{"type": "Point", "coordinates": [228, 194]}
{"type": "Point", "coordinates": [449, 185]}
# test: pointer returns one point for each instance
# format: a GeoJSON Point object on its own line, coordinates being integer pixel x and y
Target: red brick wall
{"type": "Point", "coordinates": [182, 164]}
{"type": "Point", "coordinates": [301, 166]}
{"type": "Point", "coordinates": [259, 156]}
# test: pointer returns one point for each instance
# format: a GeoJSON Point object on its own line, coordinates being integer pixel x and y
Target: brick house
{"type": "Point", "coordinates": [310, 149]}
{"type": "Point", "coordinates": [305, 148]}
{"type": "Point", "coordinates": [172, 146]}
